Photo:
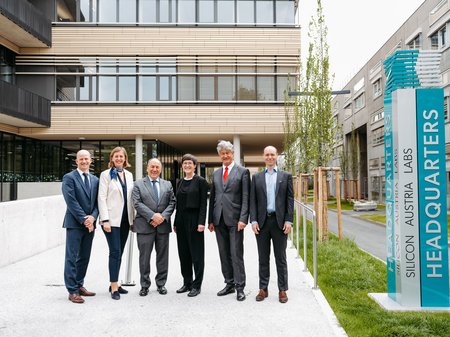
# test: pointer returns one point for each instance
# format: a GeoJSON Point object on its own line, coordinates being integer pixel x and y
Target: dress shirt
{"type": "Point", "coordinates": [271, 183]}
{"type": "Point", "coordinates": [229, 168]}
{"type": "Point", "coordinates": [157, 186]}
{"type": "Point", "coordinates": [82, 176]}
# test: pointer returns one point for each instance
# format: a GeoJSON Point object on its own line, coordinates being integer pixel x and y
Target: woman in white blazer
{"type": "Point", "coordinates": [116, 212]}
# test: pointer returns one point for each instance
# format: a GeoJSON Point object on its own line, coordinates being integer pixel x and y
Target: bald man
{"type": "Point", "coordinates": [154, 201]}
{"type": "Point", "coordinates": [271, 216]}
{"type": "Point", "coordinates": [80, 189]}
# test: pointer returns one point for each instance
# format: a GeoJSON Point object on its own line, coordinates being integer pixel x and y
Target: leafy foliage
{"type": "Point", "coordinates": [309, 124]}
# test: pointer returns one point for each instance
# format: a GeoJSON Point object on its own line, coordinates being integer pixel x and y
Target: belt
{"type": "Point", "coordinates": [271, 214]}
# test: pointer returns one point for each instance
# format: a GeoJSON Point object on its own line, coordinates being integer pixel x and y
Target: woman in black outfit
{"type": "Point", "coordinates": [189, 225]}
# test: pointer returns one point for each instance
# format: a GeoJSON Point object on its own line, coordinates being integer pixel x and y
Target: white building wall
{"type": "Point", "coordinates": [29, 227]}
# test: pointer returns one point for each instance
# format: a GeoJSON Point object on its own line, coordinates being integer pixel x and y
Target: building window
{"type": "Point", "coordinates": [190, 12]}
{"type": "Point", "coordinates": [6, 65]}
{"type": "Point", "coordinates": [446, 108]}
{"type": "Point", "coordinates": [245, 11]}
{"type": "Point", "coordinates": [284, 11]}
{"type": "Point", "coordinates": [377, 116]}
{"type": "Point", "coordinates": [415, 43]}
{"type": "Point", "coordinates": [377, 89]}
{"type": "Point", "coordinates": [373, 164]}
{"type": "Point", "coordinates": [439, 39]}
{"type": "Point", "coordinates": [206, 11]}
{"type": "Point", "coordinates": [186, 11]}
{"type": "Point", "coordinates": [360, 102]}
{"type": "Point", "coordinates": [148, 79]}
{"type": "Point", "coordinates": [443, 37]}
{"type": "Point", "coordinates": [264, 11]}
{"type": "Point", "coordinates": [147, 11]}
{"type": "Point", "coordinates": [225, 11]}
{"type": "Point", "coordinates": [226, 88]}
{"type": "Point", "coordinates": [378, 136]}
{"type": "Point", "coordinates": [127, 11]}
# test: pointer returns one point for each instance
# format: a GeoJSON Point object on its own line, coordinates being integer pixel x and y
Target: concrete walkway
{"type": "Point", "coordinates": [34, 301]}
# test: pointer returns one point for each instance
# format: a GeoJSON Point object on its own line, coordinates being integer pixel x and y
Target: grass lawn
{"type": "Point", "coordinates": [345, 205]}
{"type": "Point", "coordinates": [380, 218]}
{"type": "Point", "coordinates": [346, 275]}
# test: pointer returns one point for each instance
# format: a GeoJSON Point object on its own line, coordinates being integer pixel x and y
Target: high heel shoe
{"type": "Point", "coordinates": [120, 290]}
{"type": "Point", "coordinates": [115, 295]}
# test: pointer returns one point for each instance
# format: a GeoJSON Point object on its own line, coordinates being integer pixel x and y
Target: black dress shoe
{"type": "Point", "coordinates": [194, 292]}
{"type": "Point", "coordinates": [121, 290]}
{"type": "Point", "coordinates": [115, 295]}
{"type": "Point", "coordinates": [229, 289]}
{"type": "Point", "coordinates": [162, 290]}
{"type": "Point", "coordinates": [240, 296]}
{"type": "Point", "coordinates": [184, 289]}
{"type": "Point", "coordinates": [143, 291]}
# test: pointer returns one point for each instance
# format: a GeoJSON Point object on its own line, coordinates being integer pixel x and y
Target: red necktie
{"type": "Point", "coordinates": [225, 174]}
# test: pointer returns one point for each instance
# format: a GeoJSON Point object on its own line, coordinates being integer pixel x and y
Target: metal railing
{"type": "Point", "coordinates": [303, 209]}
{"type": "Point", "coordinates": [29, 18]}
{"type": "Point", "coordinates": [23, 104]}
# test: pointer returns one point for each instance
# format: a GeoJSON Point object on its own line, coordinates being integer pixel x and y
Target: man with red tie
{"type": "Point", "coordinates": [228, 216]}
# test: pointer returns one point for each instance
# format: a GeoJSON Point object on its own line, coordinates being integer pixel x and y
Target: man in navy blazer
{"type": "Point", "coordinates": [80, 189]}
{"type": "Point", "coordinates": [271, 216]}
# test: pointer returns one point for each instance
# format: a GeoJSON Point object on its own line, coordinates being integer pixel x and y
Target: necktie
{"type": "Point", "coordinates": [225, 174]}
{"type": "Point", "coordinates": [155, 189]}
{"type": "Point", "coordinates": [86, 182]}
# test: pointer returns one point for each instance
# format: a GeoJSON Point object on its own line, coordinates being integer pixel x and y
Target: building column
{"type": "Point", "coordinates": [139, 166]}
{"type": "Point", "coordinates": [139, 156]}
{"type": "Point", "coordinates": [237, 149]}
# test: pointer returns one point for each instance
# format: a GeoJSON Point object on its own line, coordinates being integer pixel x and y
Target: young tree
{"type": "Point", "coordinates": [314, 134]}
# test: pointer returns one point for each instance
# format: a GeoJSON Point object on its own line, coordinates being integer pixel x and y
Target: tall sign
{"type": "Point", "coordinates": [416, 207]}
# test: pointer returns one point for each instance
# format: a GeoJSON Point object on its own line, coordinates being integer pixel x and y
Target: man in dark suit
{"type": "Point", "coordinates": [228, 216]}
{"type": "Point", "coordinates": [80, 189]}
{"type": "Point", "coordinates": [271, 216]}
{"type": "Point", "coordinates": [154, 202]}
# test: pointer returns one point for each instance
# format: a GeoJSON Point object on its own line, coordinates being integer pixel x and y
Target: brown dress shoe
{"type": "Point", "coordinates": [282, 296]}
{"type": "Point", "coordinates": [262, 295]}
{"type": "Point", "coordinates": [85, 292]}
{"type": "Point", "coordinates": [75, 298]}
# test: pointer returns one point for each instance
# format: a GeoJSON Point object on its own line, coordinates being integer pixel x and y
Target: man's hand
{"type": "Point", "coordinates": [287, 228]}
{"type": "Point", "coordinates": [200, 228]}
{"type": "Point", "coordinates": [211, 227]}
{"type": "Point", "coordinates": [89, 222]}
{"type": "Point", "coordinates": [241, 225]}
{"type": "Point", "coordinates": [157, 220]}
{"type": "Point", "coordinates": [255, 228]}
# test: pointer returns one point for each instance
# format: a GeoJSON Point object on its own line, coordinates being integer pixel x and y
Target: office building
{"type": "Point", "coordinates": [160, 77]}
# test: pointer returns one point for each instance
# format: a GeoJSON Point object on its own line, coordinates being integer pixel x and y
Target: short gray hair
{"type": "Point", "coordinates": [156, 160]}
{"type": "Point", "coordinates": [224, 145]}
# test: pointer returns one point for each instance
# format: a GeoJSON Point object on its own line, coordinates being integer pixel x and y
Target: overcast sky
{"type": "Point", "coordinates": [356, 30]}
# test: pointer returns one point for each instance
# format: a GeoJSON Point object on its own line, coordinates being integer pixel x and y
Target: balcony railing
{"type": "Point", "coordinates": [19, 103]}
{"type": "Point", "coordinates": [28, 18]}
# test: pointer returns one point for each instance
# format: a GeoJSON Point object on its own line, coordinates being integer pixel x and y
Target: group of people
{"type": "Point", "coordinates": [146, 207]}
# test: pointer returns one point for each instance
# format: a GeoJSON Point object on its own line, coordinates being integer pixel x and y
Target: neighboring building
{"type": "Point", "coordinates": [160, 77]}
{"type": "Point", "coordinates": [362, 110]}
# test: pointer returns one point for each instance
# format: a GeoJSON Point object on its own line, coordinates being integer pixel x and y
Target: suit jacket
{"type": "Point", "coordinates": [146, 205]}
{"type": "Point", "coordinates": [230, 200]}
{"type": "Point", "coordinates": [111, 199]}
{"type": "Point", "coordinates": [80, 202]}
{"type": "Point", "coordinates": [197, 197]}
{"type": "Point", "coordinates": [284, 198]}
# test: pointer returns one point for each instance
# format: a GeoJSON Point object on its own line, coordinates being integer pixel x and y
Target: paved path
{"type": "Point", "coordinates": [369, 236]}
{"type": "Point", "coordinates": [33, 301]}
